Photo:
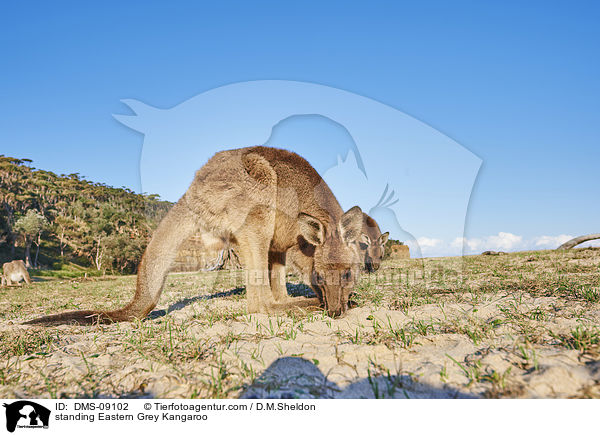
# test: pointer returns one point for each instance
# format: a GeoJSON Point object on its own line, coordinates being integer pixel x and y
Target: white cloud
{"type": "Point", "coordinates": [500, 242]}
{"type": "Point", "coordinates": [473, 244]}
{"type": "Point", "coordinates": [429, 247]}
{"type": "Point", "coordinates": [427, 242]}
{"type": "Point", "coordinates": [503, 241]}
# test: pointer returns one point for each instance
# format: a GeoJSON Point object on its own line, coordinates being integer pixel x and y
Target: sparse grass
{"type": "Point", "coordinates": [205, 344]}
{"type": "Point", "coordinates": [476, 374]}
{"type": "Point", "coordinates": [383, 384]}
{"type": "Point", "coordinates": [66, 271]}
{"type": "Point", "coordinates": [528, 355]}
{"type": "Point", "coordinates": [581, 338]}
{"type": "Point", "coordinates": [476, 330]}
{"type": "Point", "coordinates": [444, 374]}
{"type": "Point", "coordinates": [590, 294]}
{"type": "Point", "coordinates": [35, 344]}
{"type": "Point", "coordinates": [472, 371]}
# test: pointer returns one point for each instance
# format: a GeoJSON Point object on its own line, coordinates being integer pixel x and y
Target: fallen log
{"type": "Point", "coordinates": [578, 240]}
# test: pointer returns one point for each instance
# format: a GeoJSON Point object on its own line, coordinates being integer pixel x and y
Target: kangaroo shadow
{"type": "Point", "coordinates": [297, 290]}
{"type": "Point", "coordinates": [298, 378]}
{"type": "Point", "coordinates": [180, 305]}
{"type": "Point", "coordinates": [294, 290]}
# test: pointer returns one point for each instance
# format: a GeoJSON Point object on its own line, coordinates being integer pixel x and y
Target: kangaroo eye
{"type": "Point", "coordinates": [347, 275]}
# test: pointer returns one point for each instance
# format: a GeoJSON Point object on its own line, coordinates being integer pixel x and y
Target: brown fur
{"type": "Point", "coordinates": [265, 200]}
{"type": "Point", "coordinates": [372, 244]}
{"type": "Point", "coordinates": [369, 248]}
{"type": "Point", "coordinates": [14, 272]}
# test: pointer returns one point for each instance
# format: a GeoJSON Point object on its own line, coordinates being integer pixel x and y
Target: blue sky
{"type": "Point", "coordinates": [517, 84]}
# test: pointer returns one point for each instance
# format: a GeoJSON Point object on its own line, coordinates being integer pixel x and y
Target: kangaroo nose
{"type": "Point", "coordinates": [337, 312]}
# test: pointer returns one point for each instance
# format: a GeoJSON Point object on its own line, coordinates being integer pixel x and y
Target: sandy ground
{"type": "Point", "coordinates": [493, 327]}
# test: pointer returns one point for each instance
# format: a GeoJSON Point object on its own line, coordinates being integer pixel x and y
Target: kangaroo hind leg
{"type": "Point", "coordinates": [254, 239]}
{"type": "Point", "coordinates": [277, 276]}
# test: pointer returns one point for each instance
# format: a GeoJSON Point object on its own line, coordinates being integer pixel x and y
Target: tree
{"type": "Point", "coordinates": [30, 227]}
{"type": "Point", "coordinates": [84, 220]}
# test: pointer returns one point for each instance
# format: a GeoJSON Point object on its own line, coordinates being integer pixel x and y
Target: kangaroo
{"type": "Point", "coordinates": [266, 200]}
{"type": "Point", "coordinates": [14, 272]}
{"type": "Point", "coordinates": [372, 244]}
{"type": "Point", "coordinates": [369, 248]}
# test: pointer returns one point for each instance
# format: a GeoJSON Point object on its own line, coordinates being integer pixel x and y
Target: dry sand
{"type": "Point", "coordinates": [497, 327]}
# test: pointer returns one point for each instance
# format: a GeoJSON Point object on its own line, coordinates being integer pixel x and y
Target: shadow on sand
{"type": "Point", "coordinates": [294, 290]}
{"type": "Point", "coordinates": [298, 378]}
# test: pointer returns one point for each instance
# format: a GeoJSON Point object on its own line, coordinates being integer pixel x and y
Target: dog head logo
{"type": "Point", "coordinates": [26, 414]}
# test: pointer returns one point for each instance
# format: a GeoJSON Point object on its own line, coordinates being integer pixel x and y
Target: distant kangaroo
{"type": "Point", "coordinates": [14, 272]}
{"type": "Point", "coordinates": [266, 200]}
{"type": "Point", "coordinates": [372, 244]}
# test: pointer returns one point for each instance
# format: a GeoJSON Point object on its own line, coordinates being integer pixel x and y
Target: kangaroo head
{"type": "Point", "coordinates": [335, 267]}
{"type": "Point", "coordinates": [372, 247]}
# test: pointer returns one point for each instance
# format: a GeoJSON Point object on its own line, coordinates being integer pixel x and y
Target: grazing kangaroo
{"type": "Point", "coordinates": [266, 200]}
{"type": "Point", "coordinates": [14, 272]}
{"type": "Point", "coordinates": [372, 244]}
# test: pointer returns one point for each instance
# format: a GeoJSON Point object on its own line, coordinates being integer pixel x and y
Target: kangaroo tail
{"type": "Point", "coordinates": [178, 225]}
{"type": "Point", "coordinates": [86, 317]}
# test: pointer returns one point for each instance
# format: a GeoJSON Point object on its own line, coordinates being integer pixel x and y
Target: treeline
{"type": "Point", "coordinates": [48, 219]}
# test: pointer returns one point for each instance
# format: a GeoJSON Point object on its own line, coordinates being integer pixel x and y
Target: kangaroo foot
{"type": "Point", "coordinates": [284, 299]}
{"type": "Point", "coordinates": [254, 305]}
{"type": "Point", "coordinates": [302, 303]}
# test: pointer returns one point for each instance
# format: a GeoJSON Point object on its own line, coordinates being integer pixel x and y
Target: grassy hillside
{"type": "Point", "coordinates": [68, 223]}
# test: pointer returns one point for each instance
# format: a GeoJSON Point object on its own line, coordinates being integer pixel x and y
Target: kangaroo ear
{"type": "Point", "coordinates": [311, 229]}
{"type": "Point", "coordinates": [384, 238]}
{"type": "Point", "coordinates": [351, 224]}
